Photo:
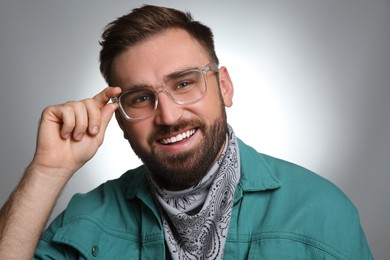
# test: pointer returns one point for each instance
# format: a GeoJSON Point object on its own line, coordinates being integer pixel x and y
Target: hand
{"type": "Point", "coordinates": [70, 134]}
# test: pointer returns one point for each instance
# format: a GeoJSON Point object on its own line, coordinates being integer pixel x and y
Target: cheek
{"type": "Point", "coordinates": [201, 110]}
{"type": "Point", "coordinates": [211, 105]}
{"type": "Point", "coordinates": [137, 132]}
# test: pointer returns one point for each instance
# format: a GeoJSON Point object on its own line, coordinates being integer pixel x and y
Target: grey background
{"type": "Point", "coordinates": [311, 86]}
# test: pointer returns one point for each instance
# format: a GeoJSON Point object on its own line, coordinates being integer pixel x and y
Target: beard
{"type": "Point", "coordinates": [186, 169]}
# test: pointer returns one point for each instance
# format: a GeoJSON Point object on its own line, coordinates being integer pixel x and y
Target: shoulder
{"type": "Point", "coordinates": [294, 181]}
{"type": "Point", "coordinates": [108, 217]}
{"type": "Point", "coordinates": [304, 205]}
{"type": "Point", "coordinates": [107, 195]}
{"type": "Point", "coordinates": [107, 203]}
{"type": "Point", "coordinates": [107, 210]}
{"type": "Point", "coordinates": [304, 188]}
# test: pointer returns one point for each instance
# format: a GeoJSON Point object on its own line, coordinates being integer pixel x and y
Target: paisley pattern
{"type": "Point", "coordinates": [202, 235]}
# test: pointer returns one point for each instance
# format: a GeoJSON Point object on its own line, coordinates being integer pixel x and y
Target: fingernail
{"type": "Point", "coordinates": [95, 130]}
{"type": "Point", "coordinates": [78, 137]}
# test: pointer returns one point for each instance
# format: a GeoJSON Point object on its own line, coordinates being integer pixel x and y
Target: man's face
{"type": "Point", "coordinates": [176, 164]}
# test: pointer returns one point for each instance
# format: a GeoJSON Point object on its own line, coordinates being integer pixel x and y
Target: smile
{"type": "Point", "coordinates": [178, 137]}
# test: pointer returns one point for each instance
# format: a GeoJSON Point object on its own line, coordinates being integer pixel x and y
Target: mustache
{"type": "Point", "coordinates": [163, 131]}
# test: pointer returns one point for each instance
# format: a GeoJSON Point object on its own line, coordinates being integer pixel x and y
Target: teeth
{"type": "Point", "coordinates": [178, 138]}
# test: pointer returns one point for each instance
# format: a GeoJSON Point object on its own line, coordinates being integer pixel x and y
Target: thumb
{"type": "Point", "coordinates": [107, 111]}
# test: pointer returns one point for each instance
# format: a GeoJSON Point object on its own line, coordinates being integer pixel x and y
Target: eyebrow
{"type": "Point", "coordinates": [170, 76]}
{"type": "Point", "coordinates": [180, 73]}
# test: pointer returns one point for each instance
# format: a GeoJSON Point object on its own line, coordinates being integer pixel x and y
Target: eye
{"type": "Point", "coordinates": [138, 99]}
{"type": "Point", "coordinates": [183, 84]}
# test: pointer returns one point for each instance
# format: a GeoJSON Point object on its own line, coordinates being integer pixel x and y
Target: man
{"type": "Point", "coordinates": [201, 193]}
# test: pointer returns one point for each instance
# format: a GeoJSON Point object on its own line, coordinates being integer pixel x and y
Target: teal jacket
{"type": "Point", "coordinates": [281, 211]}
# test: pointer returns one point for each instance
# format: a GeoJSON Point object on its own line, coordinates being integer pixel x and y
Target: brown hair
{"type": "Point", "coordinates": [143, 23]}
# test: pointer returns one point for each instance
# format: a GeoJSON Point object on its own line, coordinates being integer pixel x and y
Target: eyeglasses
{"type": "Point", "coordinates": [183, 88]}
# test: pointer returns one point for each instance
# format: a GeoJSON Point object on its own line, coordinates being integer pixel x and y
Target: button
{"type": "Point", "coordinates": [95, 251]}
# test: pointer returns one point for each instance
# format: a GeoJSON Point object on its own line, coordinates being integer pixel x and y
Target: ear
{"type": "Point", "coordinates": [120, 119]}
{"type": "Point", "coordinates": [226, 86]}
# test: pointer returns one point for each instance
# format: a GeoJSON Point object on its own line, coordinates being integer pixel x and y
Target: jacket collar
{"type": "Point", "coordinates": [138, 187]}
{"type": "Point", "coordinates": [255, 172]}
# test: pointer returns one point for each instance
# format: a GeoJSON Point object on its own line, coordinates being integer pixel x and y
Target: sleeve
{"type": "Point", "coordinates": [359, 245]}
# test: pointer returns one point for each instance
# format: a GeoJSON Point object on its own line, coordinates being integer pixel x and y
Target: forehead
{"type": "Point", "coordinates": [152, 59]}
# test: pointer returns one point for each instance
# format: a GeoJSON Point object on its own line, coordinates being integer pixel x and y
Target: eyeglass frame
{"type": "Point", "coordinates": [212, 66]}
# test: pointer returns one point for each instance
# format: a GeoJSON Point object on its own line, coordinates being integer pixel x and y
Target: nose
{"type": "Point", "coordinates": [167, 112]}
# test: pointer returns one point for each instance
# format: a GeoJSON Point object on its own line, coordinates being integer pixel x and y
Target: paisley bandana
{"type": "Point", "coordinates": [196, 220]}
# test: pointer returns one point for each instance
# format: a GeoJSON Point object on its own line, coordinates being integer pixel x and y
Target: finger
{"type": "Point", "coordinates": [81, 119]}
{"type": "Point", "coordinates": [94, 116]}
{"type": "Point", "coordinates": [102, 99]}
{"type": "Point", "coordinates": [106, 94]}
{"type": "Point", "coordinates": [65, 115]}
{"type": "Point", "coordinates": [106, 115]}
{"type": "Point", "coordinates": [108, 109]}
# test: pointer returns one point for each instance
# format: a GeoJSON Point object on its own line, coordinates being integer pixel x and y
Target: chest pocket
{"type": "Point", "coordinates": [287, 248]}
{"type": "Point", "coordinates": [94, 241]}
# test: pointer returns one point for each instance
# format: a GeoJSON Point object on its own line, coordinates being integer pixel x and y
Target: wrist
{"type": "Point", "coordinates": [55, 177]}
